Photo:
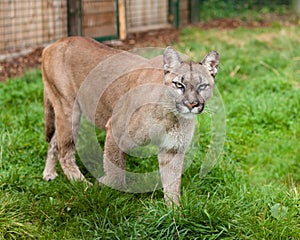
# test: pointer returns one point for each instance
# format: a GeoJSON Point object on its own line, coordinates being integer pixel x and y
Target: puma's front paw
{"type": "Point", "coordinates": [49, 176]}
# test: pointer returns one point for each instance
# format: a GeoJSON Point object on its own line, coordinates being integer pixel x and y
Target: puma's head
{"type": "Point", "coordinates": [193, 82]}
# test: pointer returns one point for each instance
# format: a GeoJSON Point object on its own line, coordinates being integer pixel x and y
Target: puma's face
{"type": "Point", "coordinates": [192, 82]}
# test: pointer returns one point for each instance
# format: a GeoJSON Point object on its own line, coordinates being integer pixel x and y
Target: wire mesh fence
{"type": "Point", "coordinates": [26, 24]}
{"type": "Point", "coordinates": [147, 13]}
{"type": "Point", "coordinates": [29, 23]}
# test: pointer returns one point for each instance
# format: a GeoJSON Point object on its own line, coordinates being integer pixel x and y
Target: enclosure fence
{"type": "Point", "coordinates": [147, 14]}
{"type": "Point", "coordinates": [27, 23]}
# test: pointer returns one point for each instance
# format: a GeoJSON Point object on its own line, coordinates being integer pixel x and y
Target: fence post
{"type": "Point", "coordinates": [122, 19]}
{"type": "Point", "coordinates": [194, 10]}
{"type": "Point", "coordinates": [174, 12]}
{"type": "Point", "coordinates": [74, 17]}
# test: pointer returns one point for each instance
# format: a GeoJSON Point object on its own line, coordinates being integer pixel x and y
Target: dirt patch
{"type": "Point", "coordinates": [16, 66]}
{"type": "Point", "coordinates": [232, 23]}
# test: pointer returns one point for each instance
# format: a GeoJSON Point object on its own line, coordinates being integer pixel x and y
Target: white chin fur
{"type": "Point", "coordinates": [195, 110]}
{"type": "Point", "coordinates": [188, 115]}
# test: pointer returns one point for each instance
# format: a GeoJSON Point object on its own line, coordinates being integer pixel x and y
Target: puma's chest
{"type": "Point", "coordinates": [172, 140]}
{"type": "Point", "coordinates": [164, 133]}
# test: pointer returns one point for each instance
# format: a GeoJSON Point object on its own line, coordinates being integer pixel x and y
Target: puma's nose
{"type": "Point", "coordinates": [192, 104]}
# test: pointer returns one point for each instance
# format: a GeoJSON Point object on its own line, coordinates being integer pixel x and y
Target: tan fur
{"type": "Point", "coordinates": [152, 102]}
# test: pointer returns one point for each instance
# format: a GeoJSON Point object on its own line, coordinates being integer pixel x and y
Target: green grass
{"type": "Point", "coordinates": [252, 192]}
{"type": "Point", "coordinates": [243, 9]}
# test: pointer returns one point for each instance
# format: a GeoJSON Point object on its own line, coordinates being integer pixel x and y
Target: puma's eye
{"type": "Point", "coordinates": [179, 85]}
{"type": "Point", "coordinates": [203, 86]}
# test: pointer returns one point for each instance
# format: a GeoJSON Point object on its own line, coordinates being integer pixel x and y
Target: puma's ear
{"type": "Point", "coordinates": [171, 59]}
{"type": "Point", "coordinates": [211, 61]}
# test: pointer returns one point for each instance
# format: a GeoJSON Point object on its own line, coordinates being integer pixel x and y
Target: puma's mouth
{"type": "Point", "coordinates": [182, 109]}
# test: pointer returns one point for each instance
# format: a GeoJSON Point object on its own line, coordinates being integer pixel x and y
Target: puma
{"type": "Point", "coordinates": [135, 100]}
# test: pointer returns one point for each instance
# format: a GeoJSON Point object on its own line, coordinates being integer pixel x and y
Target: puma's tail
{"type": "Point", "coordinates": [49, 118]}
{"type": "Point", "coordinates": [49, 115]}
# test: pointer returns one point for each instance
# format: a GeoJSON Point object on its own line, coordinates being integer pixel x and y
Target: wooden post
{"type": "Point", "coordinates": [122, 20]}
{"type": "Point", "coordinates": [174, 12]}
{"type": "Point", "coordinates": [74, 17]}
{"type": "Point", "coordinates": [194, 11]}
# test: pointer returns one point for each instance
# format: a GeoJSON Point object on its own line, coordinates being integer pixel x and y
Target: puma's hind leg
{"type": "Point", "coordinates": [62, 147]}
{"type": "Point", "coordinates": [49, 127]}
{"type": "Point", "coordinates": [52, 157]}
{"type": "Point", "coordinates": [67, 125]}
{"type": "Point", "coordinates": [62, 120]}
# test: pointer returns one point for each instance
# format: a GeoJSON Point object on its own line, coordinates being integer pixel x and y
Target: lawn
{"type": "Point", "coordinates": [251, 193]}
